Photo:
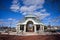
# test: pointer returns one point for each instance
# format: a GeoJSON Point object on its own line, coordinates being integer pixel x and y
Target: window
{"type": "Point", "coordinates": [21, 27]}
{"type": "Point", "coordinates": [37, 27]}
{"type": "Point", "coordinates": [29, 26]}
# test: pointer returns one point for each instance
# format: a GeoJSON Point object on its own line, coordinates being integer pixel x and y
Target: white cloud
{"type": "Point", "coordinates": [15, 1]}
{"type": "Point", "coordinates": [11, 19]}
{"type": "Point", "coordinates": [15, 6]}
{"type": "Point", "coordinates": [43, 10]}
{"type": "Point", "coordinates": [1, 21]}
{"type": "Point", "coordinates": [12, 22]}
{"type": "Point", "coordinates": [30, 7]}
{"type": "Point", "coordinates": [41, 15]}
{"type": "Point", "coordinates": [33, 2]}
{"type": "Point", "coordinates": [24, 13]}
{"type": "Point", "coordinates": [27, 9]}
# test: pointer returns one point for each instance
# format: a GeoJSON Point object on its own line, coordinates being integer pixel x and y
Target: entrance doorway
{"type": "Point", "coordinates": [37, 27]}
{"type": "Point", "coordinates": [29, 26]}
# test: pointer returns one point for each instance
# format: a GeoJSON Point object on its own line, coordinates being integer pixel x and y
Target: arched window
{"type": "Point", "coordinates": [29, 26]}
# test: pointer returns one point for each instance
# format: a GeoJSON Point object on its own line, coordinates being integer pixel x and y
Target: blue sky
{"type": "Point", "coordinates": [51, 7]}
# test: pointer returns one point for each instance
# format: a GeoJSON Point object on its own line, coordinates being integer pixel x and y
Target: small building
{"type": "Point", "coordinates": [30, 24]}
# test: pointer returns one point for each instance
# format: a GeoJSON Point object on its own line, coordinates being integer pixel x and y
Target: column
{"type": "Point", "coordinates": [43, 27]}
{"type": "Point", "coordinates": [24, 28]}
{"type": "Point", "coordinates": [18, 28]}
{"type": "Point", "coordinates": [40, 28]}
{"type": "Point", "coordinates": [34, 28]}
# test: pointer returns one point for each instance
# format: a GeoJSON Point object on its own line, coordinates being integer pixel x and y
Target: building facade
{"type": "Point", "coordinates": [30, 24]}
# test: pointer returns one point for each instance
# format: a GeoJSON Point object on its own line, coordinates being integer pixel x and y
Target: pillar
{"type": "Point", "coordinates": [34, 28]}
{"type": "Point", "coordinates": [43, 27]}
{"type": "Point", "coordinates": [24, 28]}
{"type": "Point", "coordinates": [18, 28]}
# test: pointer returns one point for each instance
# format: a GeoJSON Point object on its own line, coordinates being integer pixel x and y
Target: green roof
{"type": "Point", "coordinates": [30, 15]}
{"type": "Point", "coordinates": [23, 20]}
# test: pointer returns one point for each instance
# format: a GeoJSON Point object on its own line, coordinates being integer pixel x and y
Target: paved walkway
{"type": "Point", "coordinates": [30, 33]}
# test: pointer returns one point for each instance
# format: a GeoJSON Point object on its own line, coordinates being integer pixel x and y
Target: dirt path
{"type": "Point", "coordinates": [38, 37]}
